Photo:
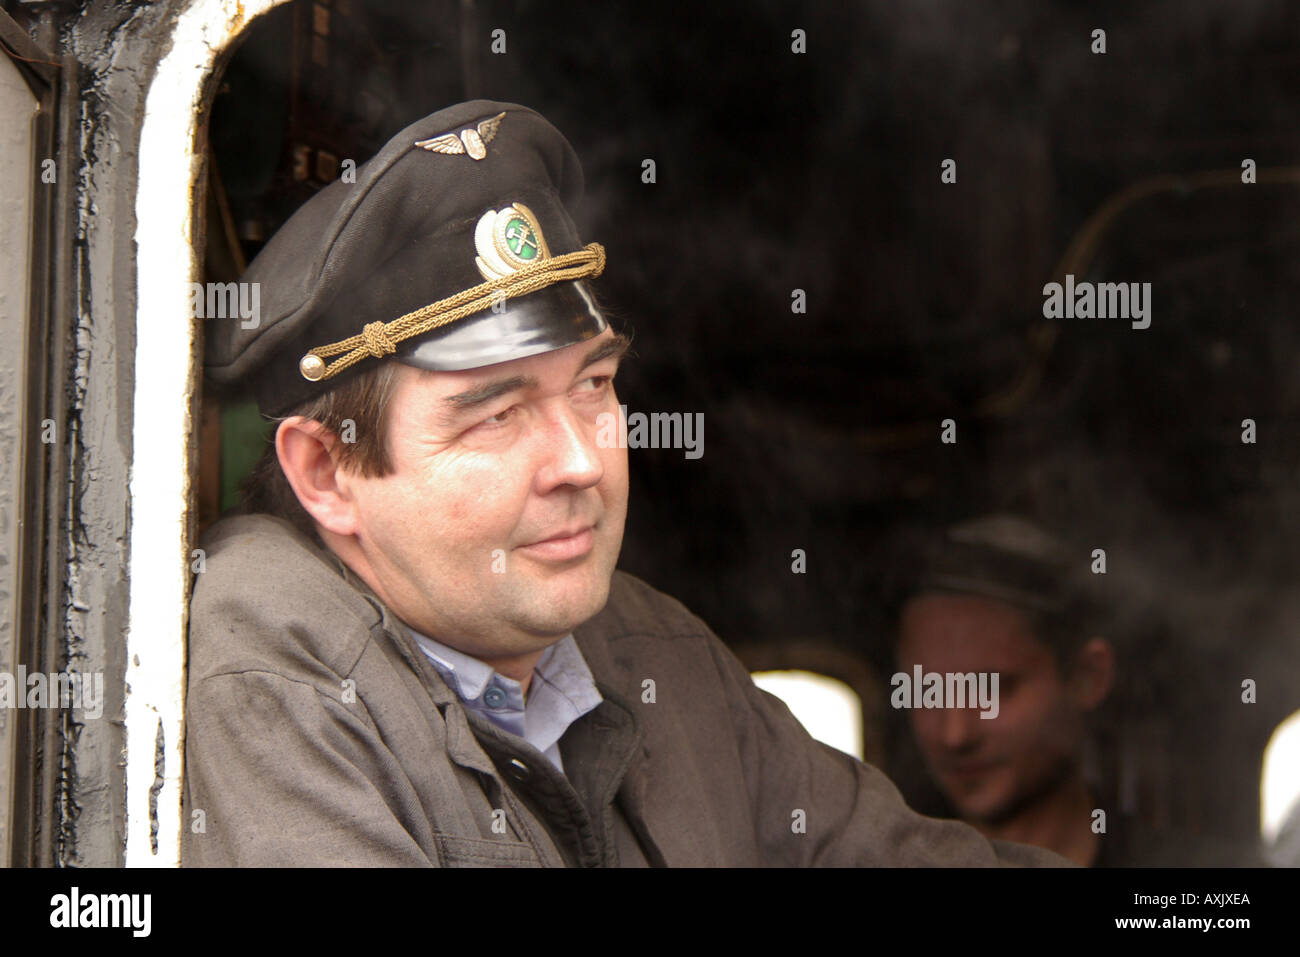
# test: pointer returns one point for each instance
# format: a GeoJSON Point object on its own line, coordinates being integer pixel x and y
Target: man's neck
{"type": "Point", "coordinates": [1059, 821]}
{"type": "Point", "coordinates": [518, 668]}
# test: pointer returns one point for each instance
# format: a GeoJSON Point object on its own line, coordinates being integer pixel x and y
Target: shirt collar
{"type": "Point", "coordinates": [466, 675]}
{"type": "Point", "coordinates": [562, 690]}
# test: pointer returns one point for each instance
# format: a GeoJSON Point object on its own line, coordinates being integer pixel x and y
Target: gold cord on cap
{"type": "Point", "coordinates": [379, 339]}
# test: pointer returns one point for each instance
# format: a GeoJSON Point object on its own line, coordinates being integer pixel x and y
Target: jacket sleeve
{"type": "Point", "coordinates": [285, 775]}
{"type": "Point", "coordinates": [817, 806]}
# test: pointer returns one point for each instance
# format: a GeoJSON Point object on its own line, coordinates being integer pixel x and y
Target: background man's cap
{"type": "Point", "coordinates": [1005, 557]}
{"type": "Point", "coordinates": [453, 249]}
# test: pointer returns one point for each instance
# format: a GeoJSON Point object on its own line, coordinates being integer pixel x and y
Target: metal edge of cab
{"type": "Point", "coordinates": [35, 488]}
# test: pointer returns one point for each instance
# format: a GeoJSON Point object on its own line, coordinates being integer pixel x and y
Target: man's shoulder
{"type": "Point", "coordinates": [254, 535]}
{"type": "Point", "coordinates": [640, 629]}
{"type": "Point", "coordinates": [636, 610]}
{"type": "Point", "coordinates": [270, 598]}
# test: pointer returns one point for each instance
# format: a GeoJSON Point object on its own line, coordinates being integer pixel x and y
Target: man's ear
{"type": "Point", "coordinates": [1094, 673]}
{"type": "Point", "coordinates": [306, 452]}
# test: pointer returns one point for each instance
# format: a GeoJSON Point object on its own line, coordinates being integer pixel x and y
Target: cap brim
{"type": "Point", "coordinates": [551, 318]}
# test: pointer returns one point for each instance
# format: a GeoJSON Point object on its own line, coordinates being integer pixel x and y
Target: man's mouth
{"type": "Point", "coordinates": [965, 770]}
{"type": "Point", "coordinates": [563, 546]}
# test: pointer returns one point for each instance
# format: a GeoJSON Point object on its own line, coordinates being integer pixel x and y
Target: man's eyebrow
{"type": "Point", "coordinates": [486, 392]}
{"type": "Point", "coordinates": [615, 348]}
{"type": "Point", "coordinates": [470, 399]}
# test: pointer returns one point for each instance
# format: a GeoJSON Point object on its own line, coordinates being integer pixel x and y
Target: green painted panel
{"type": "Point", "coordinates": [244, 433]}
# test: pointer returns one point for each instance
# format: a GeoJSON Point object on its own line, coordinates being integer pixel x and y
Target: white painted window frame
{"type": "Point", "coordinates": [167, 378]}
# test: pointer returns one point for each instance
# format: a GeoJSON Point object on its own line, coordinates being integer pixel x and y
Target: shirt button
{"type": "Point", "coordinates": [518, 770]}
{"type": "Point", "coordinates": [494, 698]}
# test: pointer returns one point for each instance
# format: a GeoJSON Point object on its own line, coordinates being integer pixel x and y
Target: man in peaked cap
{"type": "Point", "coordinates": [418, 651]}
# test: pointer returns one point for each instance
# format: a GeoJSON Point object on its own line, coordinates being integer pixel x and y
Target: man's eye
{"type": "Point", "coordinates": [500, 418]}
{"type": "Point", "coordinates": [594, 384]}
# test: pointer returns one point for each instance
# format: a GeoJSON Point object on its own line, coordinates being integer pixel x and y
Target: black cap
{"type": "Point", "coordinates": [466, 196]}
{"type": "Point", "coordinates": [1006, 557]}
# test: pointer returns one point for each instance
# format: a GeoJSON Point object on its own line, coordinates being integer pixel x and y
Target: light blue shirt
{"type": "Point", "coordinates": [562, 691]}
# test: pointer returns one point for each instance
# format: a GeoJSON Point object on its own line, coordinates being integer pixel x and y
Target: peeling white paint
{"type": "Point", "coordinates": [164, 376]}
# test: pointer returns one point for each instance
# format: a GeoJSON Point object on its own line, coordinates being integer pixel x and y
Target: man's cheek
{"type": "Point", "coordinates": [928, 732]}
{"type": "Point", "coordinates": [616, 470]}
{"type": "Point", "coordinates": [478, 501]}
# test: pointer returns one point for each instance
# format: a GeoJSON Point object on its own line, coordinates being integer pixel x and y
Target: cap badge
{"type": "Point", "coordinates": [470, 140]}
{"type": "Point", "coordinates": [508, 239]}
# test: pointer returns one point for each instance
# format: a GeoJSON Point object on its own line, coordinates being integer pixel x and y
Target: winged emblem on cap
{"type": "Point", "coordinates": [471, 140]}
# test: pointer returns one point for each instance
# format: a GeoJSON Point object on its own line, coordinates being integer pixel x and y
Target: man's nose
{"type": "Point", "coordinates": [569, 454]}
{"type": "Point", "coordinates": [958, 727]}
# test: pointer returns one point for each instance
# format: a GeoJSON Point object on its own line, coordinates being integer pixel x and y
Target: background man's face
{"type": "Point", "coordinates": [500, 527]}
{"type": "Point", "coordinates": [989, 768]}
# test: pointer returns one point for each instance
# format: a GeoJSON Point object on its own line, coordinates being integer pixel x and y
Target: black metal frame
{"type": "Point", "coordinates": [40, 735]}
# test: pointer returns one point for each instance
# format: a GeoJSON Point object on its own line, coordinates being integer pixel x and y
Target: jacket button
{"type": "Point", "coordinates": [518, 770]}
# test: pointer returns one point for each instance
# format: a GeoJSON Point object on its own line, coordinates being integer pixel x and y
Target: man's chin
{"type": "Point", "coordinates": [555, 608]}
{"type": "Point", "coordinates": [981, 803]}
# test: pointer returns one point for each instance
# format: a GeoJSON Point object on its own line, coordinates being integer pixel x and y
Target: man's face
{"type": "Point", "coordinates": [990, 767]}
{"type": "Point", "coordinates": [499, 529]}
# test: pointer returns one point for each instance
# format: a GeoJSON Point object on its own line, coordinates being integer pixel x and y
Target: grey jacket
{"type": "Point", "coordinates": [318, 734]}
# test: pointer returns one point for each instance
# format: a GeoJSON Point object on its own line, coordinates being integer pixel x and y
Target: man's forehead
{"type": "Point", "coordinates": [966, 615]}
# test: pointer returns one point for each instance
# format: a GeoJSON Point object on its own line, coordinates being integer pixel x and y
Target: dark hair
{"type": "Point", "coordinates": [357, 407]}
